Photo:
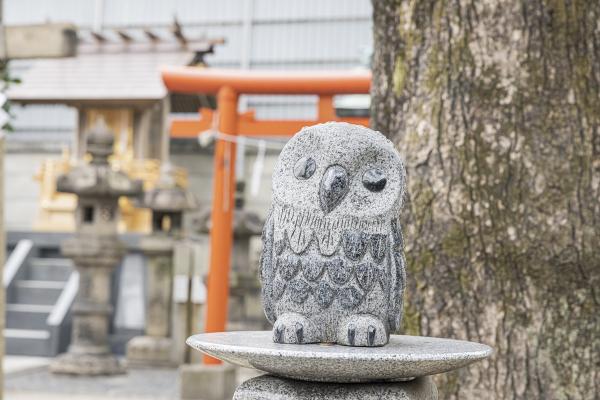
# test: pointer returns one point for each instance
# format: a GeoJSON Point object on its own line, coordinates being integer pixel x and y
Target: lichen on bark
{"type": "Point", "coordinates": [495, 106]}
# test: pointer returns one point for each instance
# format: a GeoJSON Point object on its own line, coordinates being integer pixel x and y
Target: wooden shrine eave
{"type": "Point", "coordinates": [97, 79]}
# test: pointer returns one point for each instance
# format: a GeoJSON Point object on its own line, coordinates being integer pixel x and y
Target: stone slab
{"type": "Point", "coordinates": [268, 387]}
{"type": "Point", "coordinates": [144, 351]}
{"type": "Point", "coordinates": [404, 357]}
{"type": "Point", "coordinates": [333, 267]}
{"type": "Point", "coordinates": [207, 382]}
{"type": "Point", "coordinates": [87, 364]}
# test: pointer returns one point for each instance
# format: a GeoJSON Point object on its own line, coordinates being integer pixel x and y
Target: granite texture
{"type": "Point", "coordinates": [404, 357]}
{"type": "Point", "coordinates": [332, 266]}
{"type": "Point", "coordinates": [268, 387]}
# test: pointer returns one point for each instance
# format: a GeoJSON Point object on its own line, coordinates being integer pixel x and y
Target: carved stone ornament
{"type": "Point", "coordinates": [332, 267]}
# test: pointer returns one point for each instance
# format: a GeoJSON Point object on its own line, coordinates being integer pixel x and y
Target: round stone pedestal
{"type": "Point", "coordinates": [398, 370]}
{"type": "Point", "coordinates": [403, 358]}
{"type": "Point", "coordinates": [268, 387]}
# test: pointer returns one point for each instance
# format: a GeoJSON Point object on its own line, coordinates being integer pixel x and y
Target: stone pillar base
{"type": "Point", "coordinates": [87, 364]}
{"type": "Point", "coordinates": [207, 382]}
{"type": "Point", "coordinates": [149, 351]}
{"type": "Point", "coordinates": [269, 387]}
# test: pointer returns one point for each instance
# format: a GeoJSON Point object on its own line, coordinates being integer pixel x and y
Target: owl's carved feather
{"type": "Point", "coordinates": [267, 270]}
{"type": "Point", "coordinates": [298, 228]}
{"type": "Point", "coordinates": [398, 275]}
{"type": "Point", "coordinates": [283, 271]}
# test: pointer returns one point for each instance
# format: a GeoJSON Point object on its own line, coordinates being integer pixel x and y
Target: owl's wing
{"type": "Point", "coordinates": [267, 273]}
{"type": "Point", "coordinates": [398, 275]}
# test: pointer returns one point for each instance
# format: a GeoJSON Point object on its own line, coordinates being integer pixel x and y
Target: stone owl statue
{"type": "Point", "coordinates": [332, 267]}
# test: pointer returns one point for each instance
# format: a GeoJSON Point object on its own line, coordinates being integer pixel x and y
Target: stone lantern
{"type": "Point", "coordinates": [167, 202]}
{"type": "Point", "coordinates": [96, 251]}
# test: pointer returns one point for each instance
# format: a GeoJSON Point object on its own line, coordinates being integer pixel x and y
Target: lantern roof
{"type": "Point", "coordinates": [97, 178]}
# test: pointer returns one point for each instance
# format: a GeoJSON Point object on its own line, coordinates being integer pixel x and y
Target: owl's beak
{"type": "Point", "coordinates": [333, 188]}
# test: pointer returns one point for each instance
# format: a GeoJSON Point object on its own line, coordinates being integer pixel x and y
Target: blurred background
{"type": "Point", "coordinates": [120, 73]}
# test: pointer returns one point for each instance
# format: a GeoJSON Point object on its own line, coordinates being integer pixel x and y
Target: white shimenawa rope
{"type": "Point", "coordinates": [205, 139]}
{"type": "Point", "coordinates": [257, 169]}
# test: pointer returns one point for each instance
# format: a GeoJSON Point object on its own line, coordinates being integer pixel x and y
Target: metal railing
{"type": "Point", "coordinates": [16, 260]}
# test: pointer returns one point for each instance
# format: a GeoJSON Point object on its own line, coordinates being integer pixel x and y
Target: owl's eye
{"type": "Point", "coordinates": [374, 180]}
{"type": "Point", "coordinates": [305, 168]}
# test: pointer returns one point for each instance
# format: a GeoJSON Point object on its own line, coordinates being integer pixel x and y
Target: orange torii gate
{"type": "Point", "coordinates": [228, 85]}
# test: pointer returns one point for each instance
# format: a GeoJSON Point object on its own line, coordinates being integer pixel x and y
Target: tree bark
{"type": "Point", "coordinates": [495, 106]}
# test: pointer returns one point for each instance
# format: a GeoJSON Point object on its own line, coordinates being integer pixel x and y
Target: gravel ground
{"type": "Point", "coordinates": [137, 384]}
{"type": "Point", "coordinates": [146, 384]}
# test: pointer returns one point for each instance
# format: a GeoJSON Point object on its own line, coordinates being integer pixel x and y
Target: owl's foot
{"type": "Point", "coordinates": [362, 330]}
{"type": "Point", "coordinates": [295, 328]}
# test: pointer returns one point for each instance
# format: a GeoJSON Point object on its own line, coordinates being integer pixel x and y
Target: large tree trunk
{"type": "Point", "coordinates": [495, 106]}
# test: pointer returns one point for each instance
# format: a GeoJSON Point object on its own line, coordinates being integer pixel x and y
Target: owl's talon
{"type": "Point", "coordinates": [299, 332]}
{"type": "Point", "coordinates": [362, 330]}
{"type": "Point", "coordinates": [351, 334]}
{"type": "Point", "coordinates": [371, 335]}
{"type": "Point", "coordinates": [278, 333]}
{"type": "Point", "coordinates": [295, 328]}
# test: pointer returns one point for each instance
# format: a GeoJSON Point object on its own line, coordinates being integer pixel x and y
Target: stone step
{"type": "Point", "coordinates": [27, 316]}
{"type": "Point", "coordinates": [37, 292]}
{"type": "Point", "coordinates": [27, 342]}
{"type": "Point", "coordinates": [53, 269]}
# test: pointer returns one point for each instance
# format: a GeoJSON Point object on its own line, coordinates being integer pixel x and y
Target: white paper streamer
{"type": "Point", "coordinates": [258, 168]}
